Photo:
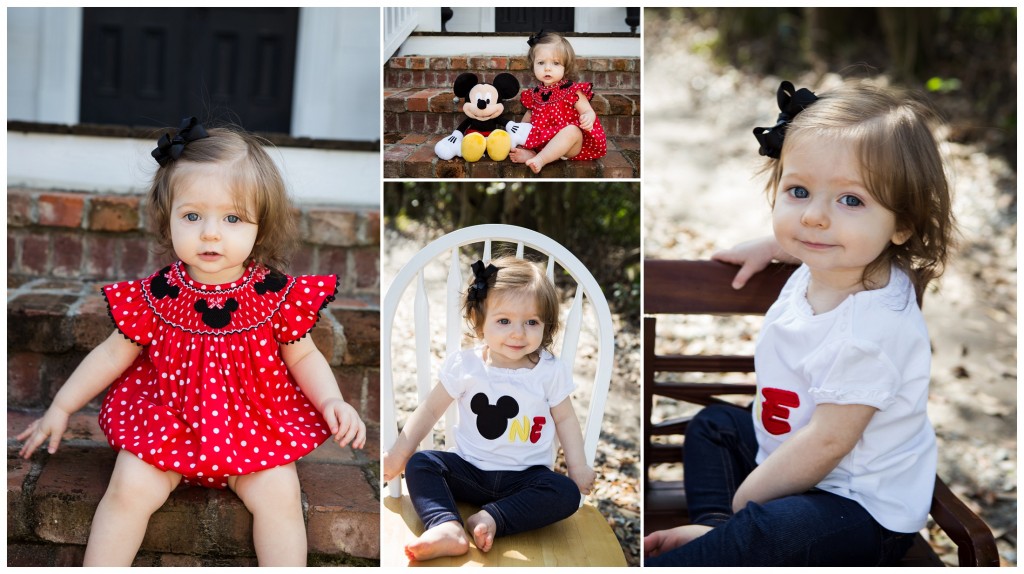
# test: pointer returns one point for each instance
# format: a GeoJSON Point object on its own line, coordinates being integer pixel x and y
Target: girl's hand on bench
{"type": "Point", "coordinates": [752, 256]}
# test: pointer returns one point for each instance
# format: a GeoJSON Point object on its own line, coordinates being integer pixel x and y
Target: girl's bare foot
{"type": "Point", "coordinates": [521, 155]}
{"type": "Point", "coordinates": [535, 164]}
{"type": "Point", "coordinates": [447, 539]}
{"type": "Point", "coordinates": [483, 527]}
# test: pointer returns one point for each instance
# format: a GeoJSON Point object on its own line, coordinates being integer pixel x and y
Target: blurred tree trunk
{"type": "Point", "coordinates": [813, 40]}
{"type": "Point", "coordinates": [900, 26]}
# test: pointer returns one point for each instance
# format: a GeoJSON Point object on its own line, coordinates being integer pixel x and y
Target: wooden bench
{"type": "Point", "coordinates": [704, 288]}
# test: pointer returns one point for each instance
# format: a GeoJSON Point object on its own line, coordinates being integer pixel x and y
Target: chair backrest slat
{"type": "Point", "coordinates": [571, 334]}
{"type": "Point", "coordinates": [421, 310]}
{"type": "Point", "coordinates": [453, 336]}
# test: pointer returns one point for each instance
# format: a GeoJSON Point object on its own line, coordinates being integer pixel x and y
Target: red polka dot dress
{"type": "Point", "coordinates": [209, 396]}
{"type": "Point", "coordinates": [553, 108]}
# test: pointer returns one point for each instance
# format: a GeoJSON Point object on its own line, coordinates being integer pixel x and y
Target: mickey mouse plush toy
{"type": "Point", "coordinates": [481, 131]}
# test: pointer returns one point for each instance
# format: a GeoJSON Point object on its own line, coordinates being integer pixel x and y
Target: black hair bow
{"type": "Point", "coordinates": [791, 103]}
{"type": "Point", "coordinates": [168, 148]}
{"type": "Point", "coordinates": [533, 39]}
{"type": "Point", "coordinates": [478, 290]}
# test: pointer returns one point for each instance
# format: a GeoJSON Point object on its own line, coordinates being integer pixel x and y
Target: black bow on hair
{"type": "Point", "coordinates": [168, 148]}
{"type": "Point", "coordinates": [478, 290]}
{"type": "Point", "coordinates": [791, 103]}
{"type": "Point", "coordinates": [533, 39]}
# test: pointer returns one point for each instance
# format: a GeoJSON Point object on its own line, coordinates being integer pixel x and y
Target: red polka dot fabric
{"type": "Point", "coordinates": [549, 116]}
{"type": "Point", "coordinates": [209, 396]}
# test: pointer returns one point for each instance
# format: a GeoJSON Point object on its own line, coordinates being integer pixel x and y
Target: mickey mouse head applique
{"type": "Point", "coordinates": [272, 281]}
{"type": "Point", "coordinates": [216, 313]}
{"type": "Point", "coordinates": [161, 286]}
{"type": "Point", "coordinates": [492, 420]}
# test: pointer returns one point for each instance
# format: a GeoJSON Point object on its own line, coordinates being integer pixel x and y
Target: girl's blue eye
{"type": "Point", "coordinates": [851, 201]}
{"type": "Point", "coordinates": [799, 192]}
{"type": "Point", "coordinates": [192, 216]}
{"type": "Point", "coordinates": [533, 322]}
{"type": "Point", "coordinates": [233, 219]}
{"type": "Point", "coordinates": [503, 321]}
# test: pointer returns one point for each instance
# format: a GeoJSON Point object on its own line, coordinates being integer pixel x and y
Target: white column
{"type": "Point", "coordinates": [337, 83]}
{"type": "Point", "coordinates": [44, 55]}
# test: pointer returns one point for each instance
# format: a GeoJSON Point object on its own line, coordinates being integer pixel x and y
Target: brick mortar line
{"type": "Point", "coordinates": [373, 480]}
{"type": "Point", "coordinates": [29, 508]}
{"type": "Point", "coordinates": [28, 288]}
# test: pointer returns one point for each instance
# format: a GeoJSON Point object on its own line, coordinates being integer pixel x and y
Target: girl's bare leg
{"type": "Point", "coordinates": [566, 143]}
{"type": "Point", "coordinates": [136, 490]}
{"type": "Point", "coordinates": [274, 498]}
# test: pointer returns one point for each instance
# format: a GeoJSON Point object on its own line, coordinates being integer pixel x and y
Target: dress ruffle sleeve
{"type": "Point", "coordinates": [527, 99]}
{"type": "Point", "coordinates": [131, 313]}
{"type": "Point", "coordinates": [586, 87]}
{"type": "Point", "coordinates": [301, 308]}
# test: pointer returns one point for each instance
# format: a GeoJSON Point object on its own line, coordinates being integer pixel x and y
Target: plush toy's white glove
{"type": "Point", "coordinates": [450, 146]}
{"type": "Point", "coordinates": [519, 132]}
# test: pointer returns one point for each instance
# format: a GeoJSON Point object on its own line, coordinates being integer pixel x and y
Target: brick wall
{"type": "Point", "coordinates": [102, 237]}
{"type": "Point", "coordinates": [440, 71]}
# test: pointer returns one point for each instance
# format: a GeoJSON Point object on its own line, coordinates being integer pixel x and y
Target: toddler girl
{"type": "Point", "coordinates": [510, 390]}
{"type": "Point", "coordinates": [563, 124]}
{"type": "Point", "coordinates": [835, 465]}
{"type": "Point", "coordinates": [215, 381]}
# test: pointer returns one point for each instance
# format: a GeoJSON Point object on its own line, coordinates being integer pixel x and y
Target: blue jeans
{"type": "Point", "coordinates": [815, 528]}
{"type": "Point", "coordinates": [518, 500]}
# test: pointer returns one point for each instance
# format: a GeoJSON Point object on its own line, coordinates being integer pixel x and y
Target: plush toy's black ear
{"type": "Point", "coordinates": [507, 84]}
{"type": "Point", "coordinates": [464, 83]}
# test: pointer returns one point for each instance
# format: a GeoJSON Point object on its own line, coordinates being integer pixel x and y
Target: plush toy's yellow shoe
{"type": "Point", "coordinates": [473, 147]}
{"type": "Point", "coordinates": [499, 143]}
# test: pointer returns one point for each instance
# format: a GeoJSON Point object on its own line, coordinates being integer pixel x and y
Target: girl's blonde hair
{"type": "Point", "coordinates": [564, 50]}
{"type": "Point", "coordinates": [516, 277]}
{"type": "Point", "coordinates": [259, 191]}
{"type": "Point", "coordinates": [900, 165]}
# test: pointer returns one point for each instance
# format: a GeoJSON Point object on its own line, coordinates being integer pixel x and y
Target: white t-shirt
{"type": "Point", "coordinates": [872, 349]}
{"type": "Point", "coordinates": [505, 414]}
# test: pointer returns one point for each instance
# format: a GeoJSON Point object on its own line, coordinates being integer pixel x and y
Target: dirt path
{"type": "Point", "coordinates": [700, 194]}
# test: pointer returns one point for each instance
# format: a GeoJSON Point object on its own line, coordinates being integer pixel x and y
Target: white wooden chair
{"type": "Point", "coordinates": [581, 540]}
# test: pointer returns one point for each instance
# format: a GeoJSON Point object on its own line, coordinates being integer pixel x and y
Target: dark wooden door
{"type": "Point", "coordinates": [153, 66]}
{"type": "Point", "coordinates": [533, 19]}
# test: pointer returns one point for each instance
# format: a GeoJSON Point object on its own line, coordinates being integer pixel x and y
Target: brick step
{"type": "Point", "coordinates": [54, 323]}
{"type": "Point", "coordinates": [403, 72]}
{"type": "Point", "coordinates": [412, 156]}
{"type": "Point", "coordinates": [434, 111]}
{"type": "Point", "coordinates": [51, 500]}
